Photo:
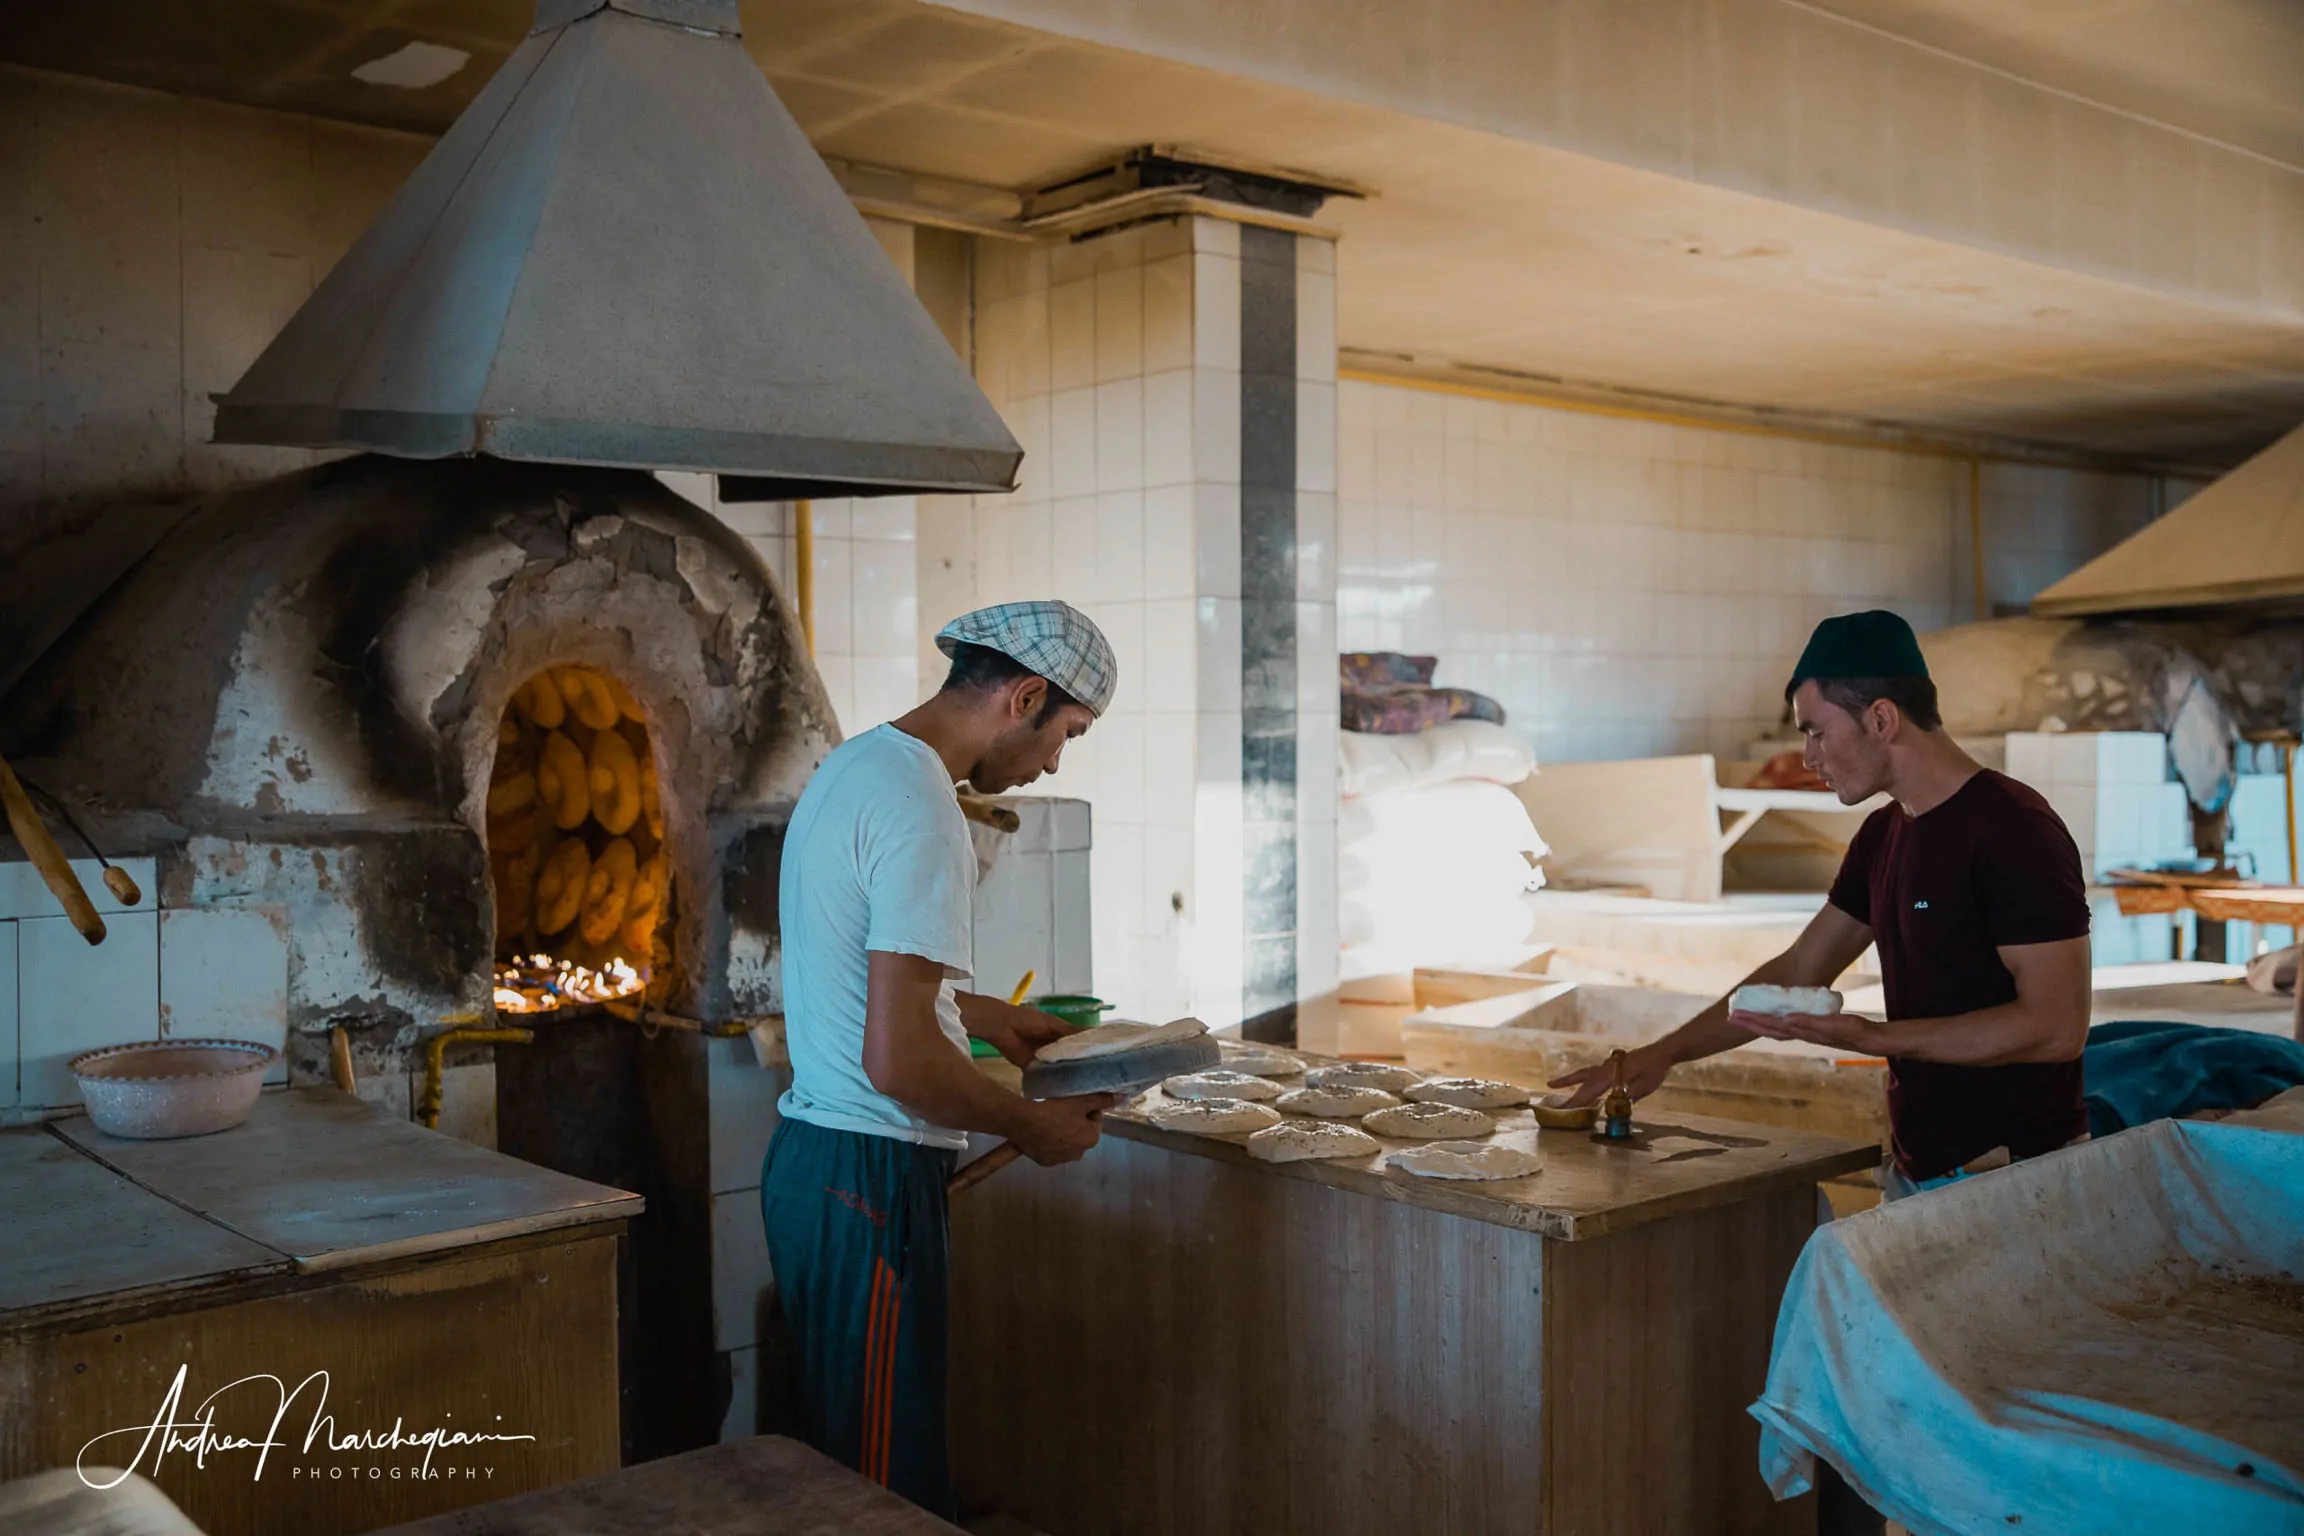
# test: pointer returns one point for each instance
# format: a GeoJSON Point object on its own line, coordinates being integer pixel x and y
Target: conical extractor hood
{"type": "Point", "coordinates": [626, 252]}
{"type": "Point", "coordinates": [2239, 542]}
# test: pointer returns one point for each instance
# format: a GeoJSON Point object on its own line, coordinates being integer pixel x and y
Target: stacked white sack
{"type": "Point", "coordinates": [1433, 851]}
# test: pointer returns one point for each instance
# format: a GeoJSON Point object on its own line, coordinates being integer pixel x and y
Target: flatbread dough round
{"type": "Point", "coordinates": [1362, 1074]}
{"type": "Point", "coordinates": [1262, 1063]}
{"type": "Point", "coordinates": [1470, 1092]}
{"type": "Point", "coordinates": [1760, 997]}
{"type": "Point", "coordinates": [1345, 1102]}
{"type": "Point", "coordinates": [1428, 1122]}
{"type": "Point", "coordinates": [1215, 1117]}
{"type": "Point", "coordinates": [1109, 1039]}
{"type": "Point", "coordinates": [1217, 1083]}
{"type": "Point", "coordinates": [1466, 1160]}
{"type": "Point", "coordinates": [1295, 1141]}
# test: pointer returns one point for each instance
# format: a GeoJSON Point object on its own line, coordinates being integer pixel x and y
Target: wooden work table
{"type": "Point", "coordinates": [1219, 1343]}
{"type": "Point", "coordinates": [433, 1282]}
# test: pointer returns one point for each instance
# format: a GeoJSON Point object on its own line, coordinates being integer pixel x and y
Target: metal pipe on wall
{"type": "Point", "coordinates": [804, 568]}
{"type": "Point", "coordinates": [1976, 534]}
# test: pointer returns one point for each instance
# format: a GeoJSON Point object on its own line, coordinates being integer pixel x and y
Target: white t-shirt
{"type": "Point", "coordinates": [877, 857]}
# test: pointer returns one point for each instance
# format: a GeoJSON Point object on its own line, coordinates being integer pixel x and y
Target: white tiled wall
{"type": "Point", "coordinates": [1115, 363]}
{"type": "Point", "coordinates": [866, 607]}
{"type": "Point", "coordinates": [1092, 353]}
{"type": "Point", "coordinates": [2115, 794]}
{"type": "Point", "coordinates": [2113, 790]}
{"type": "Point", "coordinates": [2258, 840]}
{"type": "Point", "coordinates": [1629, 588]}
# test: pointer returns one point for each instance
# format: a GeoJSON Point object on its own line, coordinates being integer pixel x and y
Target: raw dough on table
{"type": "Point", "coordinates": [1469, 1092]}
{"type": "Point", "coordinates": [1428, 1122]}
{"type": "Point", "coordinates": [1466, 1160]}
{"type": "Point", "coordinates": [1217, 1083]}
{"type": "Point", "coordinates": [1295, 1141]}
{"type": "Point", "coordinates": [1215, 1117]}
{"type": "Point", "coordinates": [1108, 1039]}
{"type": "Point", "coordinates": [1362, 1074]}
{"type": "Point", "coordinates": [1760, 997]}
{"type": "Point", "coordinates": [1262, 1063]}
{"type": "Point", "coordinates": [1345, 1102]}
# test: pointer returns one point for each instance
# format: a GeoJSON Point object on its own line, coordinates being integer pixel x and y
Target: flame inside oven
{"type": "Point", "coordinates": [576, 845]}
{"type": "Point", "coordinates": [540, 983]}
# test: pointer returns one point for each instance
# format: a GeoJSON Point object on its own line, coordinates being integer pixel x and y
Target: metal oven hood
{"type": "Point", "coordinates": [627, 253]}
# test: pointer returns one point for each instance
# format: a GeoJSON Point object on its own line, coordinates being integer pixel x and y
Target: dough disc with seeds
{"type": "Point", "coordinates": [1344, 1103]}
{"type": "Point", "coordinates": [1428, 1122]}
{"type": "Point", "coordinates": [1215, 1117]}
{"type": "Point", "coordinates": [1262, 1063]}
{"type": "Point", "coordinates": [1470, 1092]}
{"type": "Point", "coordinates": [1362, 1074]}
{"type": "Point", "coordinates": [1217, 1083]}
{"type": "Point", "coordinates": [1296, 1141]}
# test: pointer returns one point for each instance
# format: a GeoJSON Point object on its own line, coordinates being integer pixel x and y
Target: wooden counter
{"type": "Point", "coordinates": [1170, 1336]}
{"type": "Point", "coordinates": [766, 1486]}
{"type": "Point", "coordinates": [424, 1280]}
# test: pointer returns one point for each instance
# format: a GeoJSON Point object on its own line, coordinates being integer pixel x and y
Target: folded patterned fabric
{"type": "Point", "coordinates": [1376, 669]}
{"type": "Point", "coordinates": [1400, 708]}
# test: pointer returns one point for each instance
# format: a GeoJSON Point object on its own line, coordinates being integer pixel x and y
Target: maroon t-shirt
{"type": "Point", "coordinates": [1942, 892]}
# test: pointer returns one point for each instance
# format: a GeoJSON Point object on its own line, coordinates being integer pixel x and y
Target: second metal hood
{"type": "Point", "coordinates": [626, 252]}
{"type": "Point", "coordinates": [2238, 545]}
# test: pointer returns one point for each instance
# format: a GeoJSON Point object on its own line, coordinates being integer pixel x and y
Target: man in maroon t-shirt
{"type": "Point", "coordinates": [1972, 889]}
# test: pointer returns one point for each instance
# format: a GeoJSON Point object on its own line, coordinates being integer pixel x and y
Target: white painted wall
{"type": "Point", "coordinates": [1631, 589]}
{"type": "Point", "coordinates": [150, 246]}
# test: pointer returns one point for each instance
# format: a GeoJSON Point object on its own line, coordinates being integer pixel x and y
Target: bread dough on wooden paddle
{"type": "Point", "coordinates": [1466, 1160]}
{"type": "Point", "coordinates": [1109, 1039]}
{"type": "Point", "coordinates": [1217, 1083]}
{"type": "Point", "coordinates": [1428, 1122]}
{"type": "Point", "coordinates": [1759, 997]}
{"type": "Point", "coordinates": [1215, 1117]}
{"type": "Point", "coordinates": [1362, 1074]}
{"type": "Point", "coordinates": [1469, 1092]}
{"type": "Point", "coordinates": [1295, 1141]}
{"type": "Point", "coordinates": [1344, 1102]}
{"type": "Point", "coordinates": [1257, 1062]}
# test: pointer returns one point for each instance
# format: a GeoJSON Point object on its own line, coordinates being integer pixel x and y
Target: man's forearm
{"type": "Point", "coordinates": [1990, 1037]}
{"type": "Point", "coordinates": [1710, 1033]}
{"type": "Point", "coordinates": [945, 1088]}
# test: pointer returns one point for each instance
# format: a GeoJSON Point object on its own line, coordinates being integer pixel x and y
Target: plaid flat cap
{"type": "Point", "coordinates": [1053, 638]}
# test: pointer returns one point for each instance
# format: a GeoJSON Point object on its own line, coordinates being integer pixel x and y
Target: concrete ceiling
{"type": "Point", "coordinates": [1480, 250]}
{"type": "Point", "coordinates": [2231, 70]}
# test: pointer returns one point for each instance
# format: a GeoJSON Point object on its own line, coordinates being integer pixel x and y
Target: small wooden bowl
{"type": "Point", "coordinates": [1552, 1115]}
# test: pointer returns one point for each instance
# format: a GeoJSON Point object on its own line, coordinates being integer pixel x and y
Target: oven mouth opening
{"type": "Point", "coordinates": [576, 854]}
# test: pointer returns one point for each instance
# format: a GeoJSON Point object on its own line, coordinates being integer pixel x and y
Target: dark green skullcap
{"type": "Point", "coordinates": [1875, 643]}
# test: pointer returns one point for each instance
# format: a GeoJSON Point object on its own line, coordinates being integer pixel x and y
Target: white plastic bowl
{"type": "Point", "coordinates": [156, 1089]}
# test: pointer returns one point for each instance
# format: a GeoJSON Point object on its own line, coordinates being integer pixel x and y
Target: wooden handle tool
{"type": "Point", "coordinates": [983, 1168]}
{"type": "Point", "coordinates": [991, 815]}
{"type": "Point", "coordinates": [46, 857]}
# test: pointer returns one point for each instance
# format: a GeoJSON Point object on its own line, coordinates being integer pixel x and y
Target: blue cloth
{"type": "Point", "coordinates": [2065, 1347]}
{"type": "Point", "coordinates": [2142, 1070]}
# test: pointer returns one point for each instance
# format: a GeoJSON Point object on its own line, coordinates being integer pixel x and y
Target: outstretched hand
{"type": "Point", "coordinates": [1841, 1031]}
{"type": "Point", "coordinates": [1644, 1073]}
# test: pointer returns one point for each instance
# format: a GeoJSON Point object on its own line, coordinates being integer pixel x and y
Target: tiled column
{"type": "Point", "coordinates": [1173, 387]}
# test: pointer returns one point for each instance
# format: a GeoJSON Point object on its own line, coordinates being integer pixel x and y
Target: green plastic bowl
{"type": "Point", "coordinates": [1071, 1007]}
{"type": "Point", "coordinates": [1074, 1007]}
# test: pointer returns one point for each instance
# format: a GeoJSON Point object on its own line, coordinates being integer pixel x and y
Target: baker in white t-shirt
{"type": "Point", "coordinates": [878, 883]}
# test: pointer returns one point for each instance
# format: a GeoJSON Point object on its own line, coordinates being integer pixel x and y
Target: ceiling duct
{"type": "Point", "coordinates": [626, 252]}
